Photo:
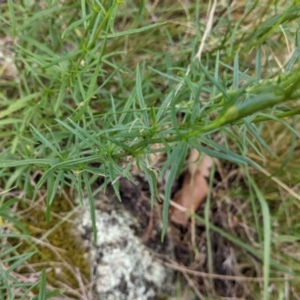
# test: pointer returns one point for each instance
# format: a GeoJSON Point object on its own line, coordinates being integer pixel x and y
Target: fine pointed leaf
{"type": "Point", "coordinates": [18, 105]}
{"type": "Point", "coordinates": [74, 25]}
{"type": "Point", "coordinates": [42, 286]}
{"type": "Point", "coordinates": [175, 162]}
{"type": "Point", "coordinates": [45, 141]}
{"type": "Point", "coordinates": [152, 181]}
{"type": "Point", "coordinates": [267, 235]}
{"type": "Point", "coordinates": [140, 97]}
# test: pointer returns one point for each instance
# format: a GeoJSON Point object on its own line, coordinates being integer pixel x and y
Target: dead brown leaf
{"type": "Point", "coordinates": [200, 163]}
{"type": "Point", "coordinates": [194, 188]}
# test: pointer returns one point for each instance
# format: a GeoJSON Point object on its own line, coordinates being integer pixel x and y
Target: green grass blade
{"type": "Point", "coordinates": [175, 162]}
{"type": "Point", "coordinates": [42, 286]}
{"type": "Point", "coordinates": [267, 236]}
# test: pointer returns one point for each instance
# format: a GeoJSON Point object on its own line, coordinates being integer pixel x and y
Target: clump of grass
{"type": "Point", "coordinates": [99, 83]}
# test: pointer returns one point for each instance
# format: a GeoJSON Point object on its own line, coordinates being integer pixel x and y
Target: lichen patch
{"type": "Point", "coordinates": [122, 265]}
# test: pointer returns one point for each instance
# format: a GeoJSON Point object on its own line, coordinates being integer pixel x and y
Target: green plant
{"type": "Point", "coordinates": [99, 83]}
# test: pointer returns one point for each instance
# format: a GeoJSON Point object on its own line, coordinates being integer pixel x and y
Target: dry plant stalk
{"type": "Point", "coordinates": [194, 188]}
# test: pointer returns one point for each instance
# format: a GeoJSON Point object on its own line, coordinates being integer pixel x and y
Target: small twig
{"type": "Point", "coordinates": [205, 35]}
{"type": "Point", "coordinates": [70, 290]}
{"type": "Point", "coordinates": [280, 183]}
{"type": "Point", "coordinates": [207, 30]}
{"type": "Point", "coordinates": [181, 268]}
{"type": "Point", "coordinates": [80, 282]}
{"type": "Point", "coordinates": [192, 285]}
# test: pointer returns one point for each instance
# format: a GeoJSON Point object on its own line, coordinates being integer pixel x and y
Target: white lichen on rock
{"type": "Point", "coordinates": [123, 267]}
{"type": "Point", "coordinates": [8, 69]}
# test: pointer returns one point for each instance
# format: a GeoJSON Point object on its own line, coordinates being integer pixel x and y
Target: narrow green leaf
{"type": "Point", "coordinates": [54, 188]}
{"type": "Point", "coordinates": [114, 173]}
{"type": "Point", "coordinates": [42, 286]}
{"type": "Point", "coordinates": [18, 105]}
{"type": "Point", "coordinates": [78, 184]}
{"type": "Point", "coordinates": [72, 26]}
{"type": "Point", "coordinates": [152, 181]}
{"type": "Point", "coordinates": [42, 14]}
{"type": "Point", "coordinates": [68, 164]}
{"type": "Point", "coordinates": [12, 17]}
{"type": "Point", "coordinates": [267, 235]}
{"type": "Point", "coordinates": [40, 46]}
{"type": "Point", "coordinates": [27, 162]}
{"type": "Point", "coordinates": [175, 162]}
{"type": "Point", "coordinates": [236, 72]}
{"type": "Point", "coordinates": [44, 140]}
{"type": "Point", "coordinates": [214, 82]}
{"type": "Point", "coordinates": [19, 259]}
{"type": "Point", "coordinates": [139, 93]}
